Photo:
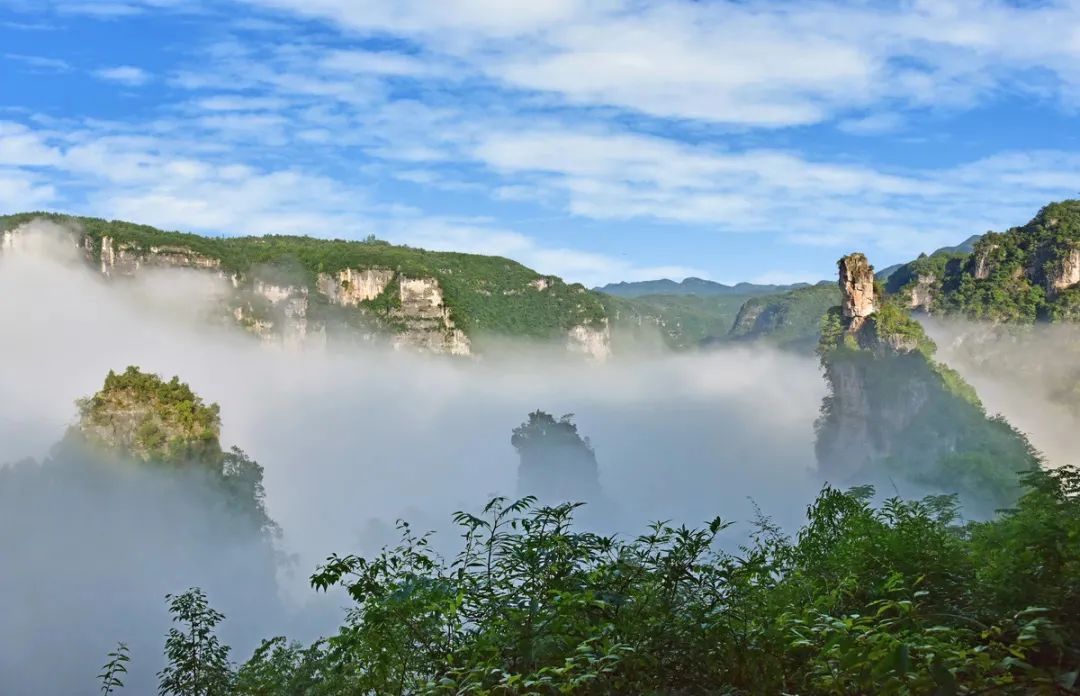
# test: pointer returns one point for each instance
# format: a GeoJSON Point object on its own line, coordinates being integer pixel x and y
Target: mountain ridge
{"type": "Point", "coordinates": [301, 288]}
{"type": "Point", "coordinates": [691, 286]}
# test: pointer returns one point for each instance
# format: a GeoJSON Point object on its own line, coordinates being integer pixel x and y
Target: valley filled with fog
{"type": "Point", "coordinates": [353, 440]}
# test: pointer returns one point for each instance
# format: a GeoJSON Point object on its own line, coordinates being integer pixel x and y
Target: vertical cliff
{"type": "Point", "coordinates": [858, 300]}
{"type": "Point", "coordinates": [894, 414]}
{"type": "Point", "coordinates": [426, 323]}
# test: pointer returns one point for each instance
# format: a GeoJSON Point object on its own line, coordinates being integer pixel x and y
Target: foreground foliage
{"type": "Point", "coordinates": [896, 599]}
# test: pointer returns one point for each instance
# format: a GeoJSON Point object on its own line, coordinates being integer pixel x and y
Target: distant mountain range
{"type": "Point", "coordinates": [693, 286]}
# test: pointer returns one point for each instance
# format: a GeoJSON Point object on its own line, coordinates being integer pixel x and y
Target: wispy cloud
{"type": "Point", "coordinates": [127, 75]}
{"type": "Point", "coordinates": [39, 62]}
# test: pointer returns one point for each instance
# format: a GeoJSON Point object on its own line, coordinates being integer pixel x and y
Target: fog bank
{"type": "Point", "coordinates": [352, 440]}
{"type": "Point", "coordinates": [1028, 374]}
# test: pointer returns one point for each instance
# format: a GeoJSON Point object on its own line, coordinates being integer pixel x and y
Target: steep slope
{"type": "Point", "coordinates": [791, 320]}
{"type": "Point", "coordinates": [894, 413]}
{"type": "Point", "coordinates": [302, 289]}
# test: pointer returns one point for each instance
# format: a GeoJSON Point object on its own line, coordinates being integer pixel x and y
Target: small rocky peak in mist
{"type": "Point", "coordinates": [139, 415]}
{"type": "Point", "coordinates": [556, 463]}
{"type": "Point", "coordinates": [138, 499]}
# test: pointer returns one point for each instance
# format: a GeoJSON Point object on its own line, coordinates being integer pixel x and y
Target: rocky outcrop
{"type": "Point", "coordinates": [352, 286]}
{"type": "Point", "coordinates": [922, 292]}
{"type": "Point", "coordinates": [139, 415]}
{"type": "Point", "coordinates": [425, 319]}
{"type": "Point", "coordinates": [857, 285]}
{"type": "Point", "coordinates": [1063, 273]}
{"type": "Point", "coordinates": [122, 259]}
{"type": "Point", "coordinates": [556, 464]}
{"type": "Point", "coordinates": [593, 342]}
{"type": "Point", "coordinates": [894, 414]}
{"type": "Point", "coordinates": [982, 261]}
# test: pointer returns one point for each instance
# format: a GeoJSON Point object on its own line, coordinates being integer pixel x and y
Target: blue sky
{"type": "Point", "coordinates": [602, 140]}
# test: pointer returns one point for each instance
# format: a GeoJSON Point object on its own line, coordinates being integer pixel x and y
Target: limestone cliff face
{"type": "Point", "coordinates": [8, 240]}
{"type": "Point", "coordinates": [352, 286]}
{"type": "Point", "coordinates": [426, 319]}
{"type": "Point", "coordinates": [922, 292]}
{"type": "Point", "coordinates": [118, 259]}
{"type": "Point", "coordinates": [982, 260]}
{"type": "Point", "coordinates": [857, 284]}
{"type": "Point", "coordinates": [288, 311]}
{"type": "Point", "coordinates": [593, 342]}
{"type": "Point", "coordinates": [1064, 272]}
{"type": "Point", "coordinates": [894, 414]}
{"type": "Point", "coordinates": [282, 313]}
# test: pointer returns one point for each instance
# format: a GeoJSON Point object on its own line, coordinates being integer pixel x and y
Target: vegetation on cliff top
{"type": "Point", "coordinates": [146, 417]}
{"type": "Point", "coordinates": [1010, 276]}
{"type": "Point", "coordinates": [137, 415]}
{"type": "Point", "coordinates": [485, 294]}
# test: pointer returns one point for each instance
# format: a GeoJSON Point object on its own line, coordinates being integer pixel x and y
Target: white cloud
{"type": "Point", "coordinates": [20, 146]}
{"type": "Point", "coordinates": [22, 191]}
{"type": "Point", "coordinates": [621, 176]}
{"type": "Point", "coordinates": [39, 62]}
{"type": "Point", "coordinates": [745, 63]}
{"type": "Point", "coordinates": [494, 18]}
{"type": "Point", "coordinates": [127, 75]}
{"type": "Point", "coordinates": [233, 102]}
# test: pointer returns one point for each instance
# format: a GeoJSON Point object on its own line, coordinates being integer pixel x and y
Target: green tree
{"type": "Point", "coordinates": [198, 664]}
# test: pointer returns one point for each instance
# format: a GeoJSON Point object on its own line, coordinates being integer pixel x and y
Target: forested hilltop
{"type": "Point", "coordinates": [1023, 275]}
{"type": "Point", "coordinates": [291, 285]}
